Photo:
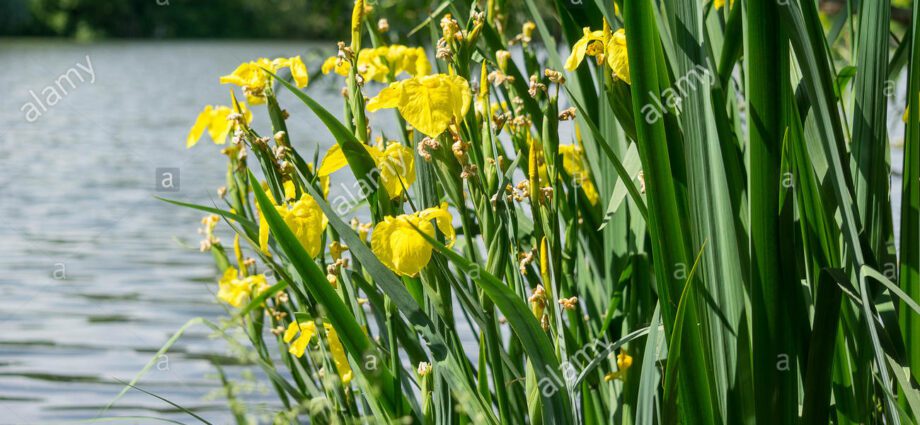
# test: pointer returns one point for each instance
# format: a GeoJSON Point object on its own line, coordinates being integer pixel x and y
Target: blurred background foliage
{"type": "Point", "coordinates": [279, 19]}
{"type": "Point", "coordinates": [237, 19]}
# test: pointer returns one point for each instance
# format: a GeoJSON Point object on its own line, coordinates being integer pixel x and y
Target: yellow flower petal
{"type": "Point", "coordinates": [333, 64]}
{"type": "Point", "coordinates": [339, 358]}
{"type": "Point", "coordinates": [291, 332]}
{"type": "Point", "coordinates": [373, 64]}
{"type": "Point", "coordinates": [298, 71]}
{"type": "Point", "coordinates": [377, 64]}
{"type": "Point", "coordinates": [397, 168]}
{"type": "Point", "coordinates": [396, 165]}
{"type": "Point", "coordinates": [220, 125]}
{"type": "Point", "coordinates": [580, 48]}
{"type": "Point", "coordinates": [442, 219]}
{"type": "Point", "coordinates": [263, 231]}
{"type": "Point", "coordinates": [299, 346]}
{"type": "Point", "coordinates": [303, 217]}
{"type": "Point", "coordinates": [307, 222]}
{"type": "Point", "coordinates": [410, 60]}
{"type": "Point", "coordinates": [252, 78]}
{"type": "Point", "coordinates": [201, 124]}
{"type": "Point", "coordinates": [527, 29]}
{"type": "Point", "coordinates": [333, 161]}
{"type": "Point", "coordinates": [214, 120]}
{"type": "Point", "coordinates": [428, 103]}
{"type": "Point", "coordinates": [401, 248]}
{"type": "Point", "coordinates": [290, 190]}
{"type": "Point", "coordinates": [577, 56]}
{"type": "Point", "coordinates": [242, 75]}
{"type": "Point", "coordinates": [422, 66]}
{"type": "Point", "coordinates": [256, 283]}
{"type": "Point", "coordinates": [718, 4]}
{"type": "Point", "coordinates": [573, 162]}
{"type": "Point", "coordinates": [389, 97]}
{"type": "Point", "coordinates": [305, 331]}
{"type": "Point", "coordinates": [624, 360]}
{"type": "Point", "coordinates": [229, 275]}
{"type": "Point", "coordinates": [617, 58]}
{"type": "Point", "coordinates": [232, 290]}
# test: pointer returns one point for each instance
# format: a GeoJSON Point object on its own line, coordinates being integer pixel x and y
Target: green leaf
{"type": "Point", "coordinates": [675, 340]}
{"type": "Point", "coordinates": [557, 406]}
{"type": "Point", "coordinates": [632, 165]}
{"type": "Point", "coordinates": [670, 244]}
{"type": "Point", "coordinates": [153, 361]}
{"type": "Point", "coordinates": [767, 67]}
{"type": "Point", "coordinates": [259, 299]}
{"type": "Point", "coordinates": [393, 287]}
{"type": "Point", "coordinates": [817, 381]}
{"type": "Point", "coordinates": [618, 165]}
{"type": "Point", "coordinates": [909, 276]}
{"type": "Point", "coordinates": [908, 392]}
{"type": "Point", "coordinates": [649, 376]}
{"type": "Point", "coordinates": [312, 280]}
{"type": "Point", "coordinates": [870, 128]}
{"type": "Point", "coordinates": [169, 402]}
{"type": "Point", "coordinates": [248, 224]}
{"type": "Point", "coordinates": [867, 271]}
{"type": "Point", "coordinates": [599, 357]}
{"type": "Point", "coordinates": [359, 160]}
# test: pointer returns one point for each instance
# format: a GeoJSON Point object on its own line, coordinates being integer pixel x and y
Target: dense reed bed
{"type": "Point", "coordinates": [647, 212]}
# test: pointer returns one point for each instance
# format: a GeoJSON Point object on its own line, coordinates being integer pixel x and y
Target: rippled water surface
{"type": "Point", "coordinates": [97, 273]}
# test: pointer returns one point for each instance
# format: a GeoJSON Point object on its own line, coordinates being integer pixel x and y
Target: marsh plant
{"type": "Point", "coordinates": [530, 247]}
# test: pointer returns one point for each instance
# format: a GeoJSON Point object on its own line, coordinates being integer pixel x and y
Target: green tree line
{"type": "Point", "coordinates": [280, 19]}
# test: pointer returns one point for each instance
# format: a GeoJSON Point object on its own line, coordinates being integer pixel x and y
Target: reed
{"type": "Point", "coordinates": [685, 220]}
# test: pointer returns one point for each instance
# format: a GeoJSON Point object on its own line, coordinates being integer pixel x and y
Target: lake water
{"type": "Point", "coordinates": [96, 273]}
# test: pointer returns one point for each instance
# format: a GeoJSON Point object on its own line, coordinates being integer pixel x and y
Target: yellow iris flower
{"type": "Point", "coordinates": [214, 120]}
{"type": "Point", "coordinates": [299, 345]}
{"type": "Point", "coordinates": [591, 43]}
{"type": "Point", "coordinates": [303, 216]}
{"type": "Point", "coordinates": [375, 64]}
{"type": "Point", "coordinates": [236, 291]}
{"type": "Point", "coordinates": [617, 57]}
{"type": "Point", "coordinates": [253, 80]}
{"type": "Point", "coordinates": [604, 46]}
{"type": "Point", "coordinates": [624, 362]}
{"type": "Point", "coordinates": [307, 330]}
{"type": "Point", "coordinates": [401, 248]}
{"type": "Point", "coordinates": [395, 163]}
{"type": "Point", "coordinates": [573, 162]}
{"type": "Point", "coordinates": [429, 103]}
